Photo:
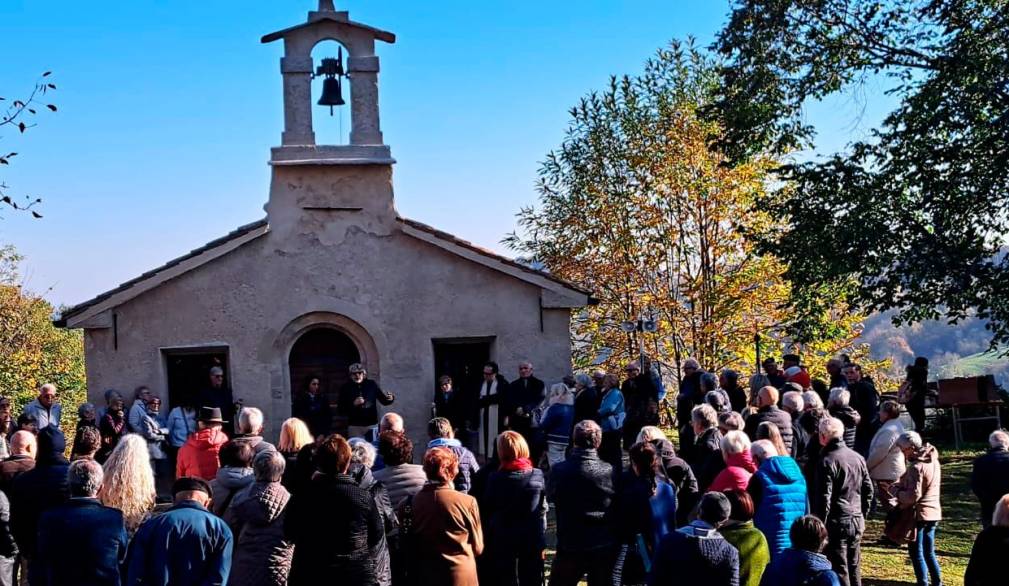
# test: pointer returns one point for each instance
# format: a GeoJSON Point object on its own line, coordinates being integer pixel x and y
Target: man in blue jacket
{"type": "Point", "coordinates": [81, 541]}
{"type": "Point", "coordinates": [187, 545]}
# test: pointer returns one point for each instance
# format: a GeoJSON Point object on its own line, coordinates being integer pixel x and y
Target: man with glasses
{"type": "Point", "coordinates": [45, 408]}
{"type": "Point", "coordinates": [524, 395]}
{"type": "Point", "coordinates": [219, 395]}
{"type": "Point", "coordinates": [489, 417]}
{"type": "Point", "coordinates": [358, 401]}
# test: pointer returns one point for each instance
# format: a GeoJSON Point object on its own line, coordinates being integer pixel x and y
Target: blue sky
{"type": "Point", "coordinates": [168, 110]}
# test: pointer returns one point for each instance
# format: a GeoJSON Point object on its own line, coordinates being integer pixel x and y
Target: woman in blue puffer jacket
{"type": "Point", "coordinates": [557, 422]}
{"type": "Point", "coordinates": [778, 489]}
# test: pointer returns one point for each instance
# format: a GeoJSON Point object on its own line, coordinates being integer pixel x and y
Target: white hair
{"type": "Point", "coordinates": [391, 422]}
{"type": "Point", "coordinates": [250, 420]}
{"type": "Point", "coordinates": [735, 442]}
{"type": "Point", "coordinates": [47, 387]}
{"type": "Point", "coordinates": [811, 400]}
{"type": "Point", "coordinates": [831, 428]}
{"type": "Point", "coordinates": [650, 433]}
{"type": "Point", "coordinates": [560, 394]}
{"type": "Point", "coordinates": [839, 397]}
{"type": "Point", "coordinates": [362, 452]}
{"type": "Point", "coordinates": [792, 401]}
{"type": "Point", "coordinates": [999, 439]}
{"type": "Point", "coordinates": [762, 450]}
{"type": "Point", "coordinates": [84, 478]}
{"type": "Point", "coordinates": [909, 439]}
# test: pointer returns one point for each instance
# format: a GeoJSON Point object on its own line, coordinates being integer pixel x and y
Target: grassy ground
{"type": "Point", "coordinates": [889, 566]}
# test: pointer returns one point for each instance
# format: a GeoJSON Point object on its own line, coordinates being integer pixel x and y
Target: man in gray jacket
{"type": "Point", "coordinates": [45, 409]}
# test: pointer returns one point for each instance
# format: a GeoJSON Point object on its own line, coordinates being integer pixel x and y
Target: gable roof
{"type": "Point", "coordinates": [340, 17]}
{"type": "Point", "coordinates": [564, 294]}
{"type": "Point", "coordinates": [173, 268]}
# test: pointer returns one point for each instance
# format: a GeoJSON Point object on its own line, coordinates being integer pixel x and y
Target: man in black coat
{"type": "Point", "coordinates": [793, 404]}
{"type": "Point", "coordinates": [524, 394]}
{"type": "Point", "coordinates": [865, 400]}
{"type": "Point", "coordinates": [312, 407]}
{"type": "Point", "coordinates": [990, 477]}
{"type": "Point", "coordinates": [840, 496]}
{"type": "Point", "coordinates": [359, 399]}
{"type": "Point", "coordinates": [582, 490]}
{"type": "Point", "coordinates": [705, 454]}
{"type": "Point", "coordinates": [332, 522]}
{"type": "Point", "coordinates": [641, 399]}
{"type": "Point", "coordinates": [450, 404]}
{"type": "Point", "coordinates": [767, 410]}
{"type": "Point", "coordinates": [82, 541]}
{"type": "Point", "coordinates": [218, 394]}
{"type": "Point", "coordinates": [38, 490]}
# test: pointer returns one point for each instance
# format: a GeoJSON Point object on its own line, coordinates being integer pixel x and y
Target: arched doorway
{"type": "Point", "coordinates": [325, 353]}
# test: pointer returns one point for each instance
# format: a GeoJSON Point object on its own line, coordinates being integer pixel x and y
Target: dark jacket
{"type": "Point", "coordinates": [367, 412]}
{"type": "Point", "coordinates": [513, 512]}
{"type": "Point", "coordinates": [333, 524]}
{"type": "Point", "coordinates": [987, 558]}
{"type": "Point", "coordinates": [990, 480]}
{"type": "Point", "coordinates": [645, 507]}
{"type": "Point", "coordinates": [779, 498]}
{"type": "Point", "coordinates": [315, 412]}
{"type": "Point", "coordinates": [796, 567]}
{"type": "Point", "coordinates": [13, 467]}
{"type": "Point", "coordinates": [737, 397]}
{"type": "Point", "coordinates": [706, 457]}
{"type": "Point", "coordinates": [800, 438]}
{"type": "Point", "coordinates": [772, 414]}
{"type": "Point", "coordinates": [111, 427]}
{"type": "Point", "coordinates": [527, 394]}
{"type": "Point", "coordinates": [865, 400]}
{"type": "Point", "coordinates": [557, 423]}
{"type": "Point", "coordinates": [39, 489]}
{"type": "Point", "coordinates": [223, 399]}
{"type": "Point", "coordinates": [581, 488]}
{"type": "Point", "coordinates": [695, 554]}
{"type": "Point", "coordinates": [842, 490]}
{"type": "Point", "coordinates": [467, 462]}
{"type": "Point", "coordinates": [850, 418]}
{"type": "Point", "coordinates": [587, 405]}
{"type": "Point", "coordinates": [81, 543]}
{"type": "Point", "coordinates": [184, 546]}
{"type": "Point", "coordinates": [452, 406]}
{"type": "Point", "coordinates": [262, 556]}
{"type": "Point", "coordinates": [380, 553]}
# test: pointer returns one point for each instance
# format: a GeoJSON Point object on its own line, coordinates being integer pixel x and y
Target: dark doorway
{"type": "Point", "coordinates": [189, 372]}
{"type": "Point", "coordinates": [461, 359]}
{"type": "Point", "coordinates": [326, 354]}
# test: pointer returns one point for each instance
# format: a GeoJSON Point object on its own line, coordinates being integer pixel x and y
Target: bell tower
{"type": "Point", "coordinates": [322, 187]}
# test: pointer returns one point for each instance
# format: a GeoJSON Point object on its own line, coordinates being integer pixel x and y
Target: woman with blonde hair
{"type": "Point", "coordinates": [129, 481]}
{"type": "Point", "coordinates": [557, 422]}
{"type": "Point", "coordinates": [294, 436]}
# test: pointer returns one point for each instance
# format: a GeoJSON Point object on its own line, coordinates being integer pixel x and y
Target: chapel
{"type": "Point", "coordinates": [333, 275]}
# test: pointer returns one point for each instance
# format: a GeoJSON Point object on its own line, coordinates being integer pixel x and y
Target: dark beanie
{"type": "Point", "coordinates": [51, 443]}
{"type": "Point", "coordinates": [714, 509]}
{"type": "Point", "coordinates": [189, 484]}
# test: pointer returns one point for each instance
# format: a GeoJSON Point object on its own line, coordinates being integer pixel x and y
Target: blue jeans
{"type": "Point", "coordinates": [922, 551]}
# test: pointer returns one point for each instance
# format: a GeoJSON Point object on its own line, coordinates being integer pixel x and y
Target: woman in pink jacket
{"type": "Point", "coordinates": [739, 466]}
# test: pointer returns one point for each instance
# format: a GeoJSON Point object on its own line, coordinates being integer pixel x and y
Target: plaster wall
{"type": "Point", "coordinates": [317, 266]}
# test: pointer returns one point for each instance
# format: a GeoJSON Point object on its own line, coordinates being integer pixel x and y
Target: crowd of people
{"type": "Point", "coordinates": [771, 485]}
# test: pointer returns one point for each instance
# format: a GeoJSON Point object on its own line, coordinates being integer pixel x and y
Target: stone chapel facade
{"type": "Point", "coordinates": [333, 275]}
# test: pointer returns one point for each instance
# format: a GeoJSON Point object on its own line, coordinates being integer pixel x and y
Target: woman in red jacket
{"type": "Point", "coordinates": [198, 456]}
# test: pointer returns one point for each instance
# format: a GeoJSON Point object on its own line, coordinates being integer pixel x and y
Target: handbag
{"type": "Point", "coordinates": [900, 525]}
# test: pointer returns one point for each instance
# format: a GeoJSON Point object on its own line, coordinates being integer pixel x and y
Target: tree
{"type": "Point", "coordinates": [32, 350]}
{"type": "Point", "coordinates": [914, 218]}
{"type": "Point", "coordinates": [19, 115]}
{"type": "Point", "coordinates": [637, 207]}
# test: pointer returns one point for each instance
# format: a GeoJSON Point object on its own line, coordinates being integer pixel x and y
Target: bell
{"type": "Point", "coordinates": [332, 93]}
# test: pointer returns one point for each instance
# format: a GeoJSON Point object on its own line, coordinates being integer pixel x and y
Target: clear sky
{"type": "Point", "coordinates": [168, 109]}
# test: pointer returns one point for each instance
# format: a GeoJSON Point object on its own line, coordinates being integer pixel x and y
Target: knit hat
{"type": "Point", "coordinates": [714, 508]}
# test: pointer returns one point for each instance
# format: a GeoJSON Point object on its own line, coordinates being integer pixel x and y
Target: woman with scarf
{"type": "Point", "coordinates": [513, 510]}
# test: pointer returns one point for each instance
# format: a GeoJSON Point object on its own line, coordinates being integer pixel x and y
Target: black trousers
{"type": "Point", "coordinates": [570, 567]}
{"type": "Point", "coordinates": [844, 549]}
{"type": "Point", "coordinates": [516, 569]}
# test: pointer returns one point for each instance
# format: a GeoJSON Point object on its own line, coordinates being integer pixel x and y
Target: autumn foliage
{"type": "Point", "coordinates": [637, 207]}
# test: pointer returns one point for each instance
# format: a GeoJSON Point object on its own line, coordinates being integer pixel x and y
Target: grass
{"type": "Point", "coordinates": [882, 566]}
{"type": "Point", "coordinates": [890, 566]}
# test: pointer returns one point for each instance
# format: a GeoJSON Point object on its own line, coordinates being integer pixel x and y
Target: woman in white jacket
{"type": "Point", "coordinates": [885, 461]}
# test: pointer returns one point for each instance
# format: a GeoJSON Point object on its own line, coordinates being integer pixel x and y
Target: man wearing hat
{"type": "Point", "coordinates": [186, 545]}
{"type": "Point", "coordinates": [198, 456]}
{"type": "Point", "coordinates": [359, 399]}
{"type": "Point", "coordinates": [697, 553]}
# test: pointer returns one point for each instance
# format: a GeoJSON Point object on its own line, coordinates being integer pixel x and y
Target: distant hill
{"type": "Point", "coordinates": [952, 350]}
